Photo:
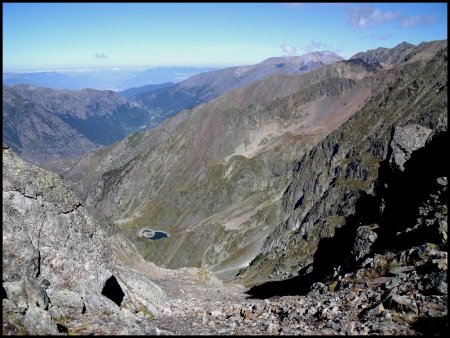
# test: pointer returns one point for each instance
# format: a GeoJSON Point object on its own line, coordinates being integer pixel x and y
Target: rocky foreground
{"type": "Point", "coordinates": [392, 294]}
{"type": "Point", "coordinates": [405, 294]}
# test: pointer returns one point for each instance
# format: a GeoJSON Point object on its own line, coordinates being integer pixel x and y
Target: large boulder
{"type": "Point", "coordinates": [38, 322]}
{"type": "Point", "coordinates": [405, 140]}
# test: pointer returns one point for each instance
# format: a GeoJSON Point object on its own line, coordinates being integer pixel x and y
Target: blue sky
{"type": "Point", "coordinates": [100, 35]}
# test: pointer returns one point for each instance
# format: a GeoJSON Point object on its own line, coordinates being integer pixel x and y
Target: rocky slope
{"type": "Point", "coordinates": [345, 181]}
{"type": "Point", "coordinates": [43, 124]}
{"type": "Point", "coordinates": [212, 177]}
{"type": "Point", "coordinates": [208, 85]}
{"type": "Point", "coordinates": [61, 289]}
{"type": "Point", "coordinates": [62, 274]}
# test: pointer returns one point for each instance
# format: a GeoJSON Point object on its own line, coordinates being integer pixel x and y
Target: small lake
{"type": "Point", "coordinates": [152, 234]}
{"type": "Point", "coordinates": [159, 235]}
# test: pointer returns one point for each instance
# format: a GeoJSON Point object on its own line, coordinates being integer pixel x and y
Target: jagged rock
{"type": "Point", "coordinates": [15, 237]}
{"type": "Point", "coordinates": [365, 237]}
{"type": "Point", "coordinates": [67, 298]}
{"type": "Point", "coordinates": [436, 283]}
{"type": "Point", "coordinates": [14, 290]}
{"type": "Point", "coordinates": [138, 289]}
{"type": "Point", "coordinates": [318, 287]}
{"type": "Point", "coordinates": [47, 233]}
{"type": "Point", "coordinates": [401, 304]}
{"type": "Point", "coordinates": [375, 311]}
{"type": "Point", "coordinates": [57, 313]}
{"type": "Point", "coordinates": [27, 290]}
{"type": "Point", "coordinates": [442, 181]}
{"type": "Point", "coordinates": [35, 293]}
{"type": "Point", "coordinates": [38, 322]}
{"type": "Point", "coordinates": [51, 240]}
{"type": "Point", "coordinates": [405, 141]}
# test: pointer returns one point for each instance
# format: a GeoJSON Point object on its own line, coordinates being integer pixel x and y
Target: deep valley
{"type": "Point", "coordinates": [302, 195]}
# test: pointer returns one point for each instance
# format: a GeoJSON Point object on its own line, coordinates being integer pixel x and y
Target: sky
{"type": "Point", "coordinates": [48, 36]}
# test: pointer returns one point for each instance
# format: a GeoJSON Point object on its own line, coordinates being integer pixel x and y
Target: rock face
{"type": "Point", "coordinates": [44, 226]}
{"type": "Point", "coordinates": [405, 141]}
{"type": "Point", "coordinates": [56, 261]}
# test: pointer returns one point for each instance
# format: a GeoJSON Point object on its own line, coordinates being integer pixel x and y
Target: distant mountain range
{"type": "Point", "coordinates": [206, 86]}
{"type": "Point", "coordinates": [130, 92]}
{"type": "Point", "coordinates": [43, 124]}
{"type": "Point", "coordinates": [102, 79]}
{"type": "Point", "coordinates": [83, 120]}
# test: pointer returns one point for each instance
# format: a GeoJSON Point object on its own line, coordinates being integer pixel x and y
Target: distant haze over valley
{"type": "Point", "coordinates": [103, 79]}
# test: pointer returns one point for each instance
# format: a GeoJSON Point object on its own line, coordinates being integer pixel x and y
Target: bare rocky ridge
{"type": "Point", "coordinates": [402, 53]}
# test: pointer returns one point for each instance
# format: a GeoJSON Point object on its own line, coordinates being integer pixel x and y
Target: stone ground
{"type": "Point", "coordinates": [406, 298]}
{"type": "Point", "coordinates": [401, 300]}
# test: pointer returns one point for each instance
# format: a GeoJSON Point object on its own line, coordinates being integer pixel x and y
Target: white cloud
{"type": "Point", "coordinates": [100, 56]}
{"type": "Point", "coordinates": [320, 46]}
{"type": "Point", "coordinates": [363, 17]}
{"type": "Point", "coordinates": [417, 20]}
{"type": "Point", "coordinates": [288, 50]}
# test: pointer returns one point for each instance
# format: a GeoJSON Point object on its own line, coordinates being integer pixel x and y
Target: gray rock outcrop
{"type": "Point", "coordinates": [405, 140]}
{"type": "Point", "coordinates": [57, 262]}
